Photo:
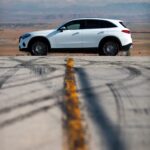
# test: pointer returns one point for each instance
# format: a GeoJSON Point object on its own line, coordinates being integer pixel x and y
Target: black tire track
{"type": "Point", "coordinates": [27, 115]}
{"type": "Point", "coordinates": [119, 104]}
{"type": "Point", "coordinates": [7, 75]}
{"type": "Point", "coordinates": [32, 102]}
{"type": "Point", "coordinates": [117, 92]}
{"type": "Point", "coordinates": [41, 71]}
{"type": "Point", "coordinates": [10, 72]}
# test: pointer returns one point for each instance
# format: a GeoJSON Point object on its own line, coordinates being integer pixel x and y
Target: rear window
{"type": "Point", "coordinates": [93, 24]}
{"type": "Point", "coordinates": [123, 24]}
{"type": "Point", "coordinates": [107, 24]}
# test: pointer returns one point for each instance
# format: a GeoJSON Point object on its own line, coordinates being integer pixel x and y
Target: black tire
{"type": "Point", "coordinates": [109, 48]}
{"type": "Point", "coordinates": [39, 48]}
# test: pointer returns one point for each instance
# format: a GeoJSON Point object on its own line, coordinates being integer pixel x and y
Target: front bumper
{"type": "Point", "coordinates": [127, 47]}
{"type": "Point", "coordinates": [23, 44]}
{"type": "Point", "coordinates": [23, 49]}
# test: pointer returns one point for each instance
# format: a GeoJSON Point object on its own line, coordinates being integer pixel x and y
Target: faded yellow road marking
{"type": "Point", "coordinates": [73, 121]}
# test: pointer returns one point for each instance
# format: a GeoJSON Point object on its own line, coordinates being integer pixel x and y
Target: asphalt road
{"type": "Point", "coordinates": [114, 95]}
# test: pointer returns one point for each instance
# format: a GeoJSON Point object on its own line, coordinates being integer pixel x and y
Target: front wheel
{"type": "Point", "coordinates": [39, 48]}
{"type": "Point", "coordinates": [109, 48]}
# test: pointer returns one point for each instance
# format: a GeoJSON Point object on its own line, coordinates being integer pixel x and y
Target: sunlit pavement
{"type": "Point", "coordinates": [113, 92]}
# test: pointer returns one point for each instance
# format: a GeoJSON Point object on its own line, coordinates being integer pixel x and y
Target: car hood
{"type": "Point", "coordinates": [42, 32]}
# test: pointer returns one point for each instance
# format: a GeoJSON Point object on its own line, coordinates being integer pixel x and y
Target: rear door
{"type": "Point", "coordinates": [94, 31]}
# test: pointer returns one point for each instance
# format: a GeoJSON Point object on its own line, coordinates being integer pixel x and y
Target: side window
{"type": "Point", "coordinates": [73, 25]}
{"type": "Point", "coordinates": [107, 24]}
{"type": "Point", "coordinates": [91, 24]}
{"type": "Point", "coordinates": [94, 24]}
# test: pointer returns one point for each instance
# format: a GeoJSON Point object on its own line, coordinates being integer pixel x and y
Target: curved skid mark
{"type": "Point", "coordinates": [26, 115]}
{"type": "Point", "coordinates": [32, 102]}
{"type": "Point", "coordinates": [119, 105]}
{"type": "Point", "coordinates": [7, 75]}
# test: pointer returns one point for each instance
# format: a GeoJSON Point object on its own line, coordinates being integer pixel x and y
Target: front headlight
{"type": "Point", "coordinates": [25, 35]}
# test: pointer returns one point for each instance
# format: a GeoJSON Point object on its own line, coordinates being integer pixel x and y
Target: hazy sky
{"type": "Point", "coordinates": [14, 9]}
{"type": "Point", "coordinates": [64, 2]}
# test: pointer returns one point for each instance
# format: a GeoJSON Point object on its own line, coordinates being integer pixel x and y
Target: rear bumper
{"type": "Point", "coordinates": [126, 47]}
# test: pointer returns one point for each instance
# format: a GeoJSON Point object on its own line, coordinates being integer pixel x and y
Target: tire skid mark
{"type": "Point", "coordinates": [133, 104]}
{"type": "Point", "coordinates": [128, 94]}
{"type": "Point", "coordinates": [33, 112]}
{"type": "Point", "coordinates": [119, 105]}
{"type": "Point", "coordinates": [133, 71]}
{"type": "Point", "coordinates": [32, 102]}
{"type": "Point", "coordinates": [36, 70]}
{"type": "Point", "coordinates": [73, 122]}
{"type": "Point", "coordinates": [118, 88]}
{"type": "Point", "coordinates": [26, 115]}
{"type": "Point", "coordinates": [39, 70]}
{"type": "Point", "coordinates": [31, 82]}
{"type": "Point", "coordinates": [7, 75]}
{"type": "Point", "coordinates": [10, 73]}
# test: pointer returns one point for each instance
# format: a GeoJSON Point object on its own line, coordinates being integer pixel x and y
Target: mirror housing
{"type": "Point", "coordinates": [61, 29]}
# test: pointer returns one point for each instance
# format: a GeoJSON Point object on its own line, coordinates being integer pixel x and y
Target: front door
{"type": "Point", "coordinates": [70, 37]}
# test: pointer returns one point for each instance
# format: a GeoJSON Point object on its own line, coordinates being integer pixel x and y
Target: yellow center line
{"type": "Point", "coordinates": [74, 128]}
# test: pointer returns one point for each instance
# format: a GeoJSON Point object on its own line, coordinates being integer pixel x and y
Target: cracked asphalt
{"type": "Point", "coordinates": [114, 95]}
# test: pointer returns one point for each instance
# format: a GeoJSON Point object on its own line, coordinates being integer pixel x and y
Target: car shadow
{"type": "Point", "coordinates": [78, 50]}
{"type": "Point", "coordinates": [102, 123]}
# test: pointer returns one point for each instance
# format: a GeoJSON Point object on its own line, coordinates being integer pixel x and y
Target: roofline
{"type": "Point", "coordinates": [113, 20]}
{"type": "Point", "coordinates": [96, 19]}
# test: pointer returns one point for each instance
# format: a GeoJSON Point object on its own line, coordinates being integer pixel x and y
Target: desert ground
{"type": "Point", "coordinates": [9, 36]}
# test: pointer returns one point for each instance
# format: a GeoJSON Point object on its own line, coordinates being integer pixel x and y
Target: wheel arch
{"type": "Point", "coordinates": [40, 38]}
{"type": "Point", "coordinates": [107, 38]}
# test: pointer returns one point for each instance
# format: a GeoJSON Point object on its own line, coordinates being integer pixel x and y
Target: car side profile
{"type": "Point", "coordinates": [108, 36]}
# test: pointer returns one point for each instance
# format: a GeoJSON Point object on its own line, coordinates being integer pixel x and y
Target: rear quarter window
{"type": "Point", "coordinates": [123, 24]}
{"type": "Point", "coordinates": [107, 24]}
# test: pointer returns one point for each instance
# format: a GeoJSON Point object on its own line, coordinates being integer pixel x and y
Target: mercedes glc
{"type": "Point", "coordinates": [108, 36]}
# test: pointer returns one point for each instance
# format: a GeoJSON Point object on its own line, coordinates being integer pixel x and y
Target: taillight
{"type": "Point", "coordinates": [126, 31]}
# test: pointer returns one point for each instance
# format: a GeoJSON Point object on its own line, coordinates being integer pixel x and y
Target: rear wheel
{"type": "Point", "coordinates": [39, 48]}
{"type": "Point", "coordinates": [109, 48]}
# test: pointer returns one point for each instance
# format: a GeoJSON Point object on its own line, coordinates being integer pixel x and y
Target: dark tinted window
{"type": "Point", "coordinates": [94, 24]}
{"type": "Point", "coordinates": [108, 24]}
{"type": "Point", "coordinates": [123, 24]}
{"type": "Point", "coordinates": [73, 25]}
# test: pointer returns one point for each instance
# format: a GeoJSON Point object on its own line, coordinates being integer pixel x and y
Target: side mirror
{"type": "Point", "coordinates": [61, 29]}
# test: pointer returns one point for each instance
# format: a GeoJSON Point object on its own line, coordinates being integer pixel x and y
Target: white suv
{"type": "Point", "coordinates": [106, 35]}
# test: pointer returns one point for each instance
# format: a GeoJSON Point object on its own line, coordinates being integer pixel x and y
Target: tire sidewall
{"type": "Point", "coordinates": [111, 43]}
{"type": "Point", "coordinates": [37, 53]}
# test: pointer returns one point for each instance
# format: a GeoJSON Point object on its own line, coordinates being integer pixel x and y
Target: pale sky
{"type": "Point", "coordinates": [10, 9]}
{"type": "Point", "coordinates": [63, 2]}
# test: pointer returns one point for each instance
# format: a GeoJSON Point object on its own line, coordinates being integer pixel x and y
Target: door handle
{"type": "Point", "coordinates": [101, 32]}
{"type": "Point", "coordinates": [75, 33]}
